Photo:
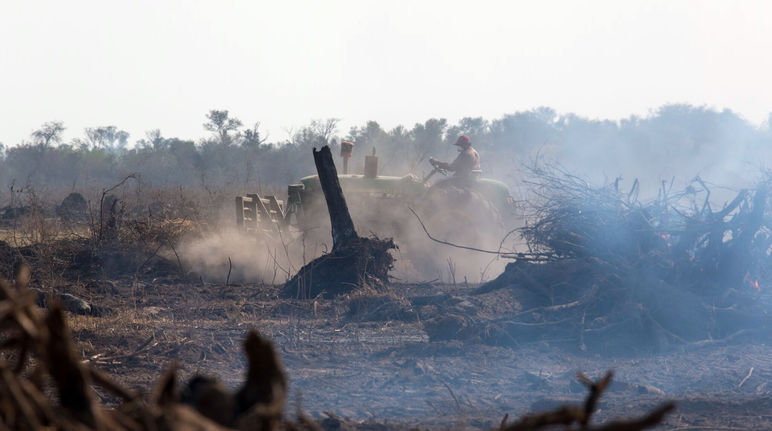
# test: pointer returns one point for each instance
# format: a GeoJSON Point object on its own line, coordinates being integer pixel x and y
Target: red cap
{"type": "Point", "coordinates": [463, 141]}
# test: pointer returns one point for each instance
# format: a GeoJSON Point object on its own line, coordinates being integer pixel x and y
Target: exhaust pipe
{"type": "Point", "coordinates": [346, 148]}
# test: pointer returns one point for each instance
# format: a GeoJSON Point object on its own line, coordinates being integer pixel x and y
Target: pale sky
{"type": "Point", "coordinates": [141, 65]}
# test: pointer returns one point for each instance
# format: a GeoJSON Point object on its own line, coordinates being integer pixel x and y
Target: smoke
{"type": "Point", "coordinates": [676, 143]}
{"type": "Point", "coordinates": [238, 256]}
{"type": "Point", "coordinates": [672, 145]}
{"type": "Point", "coordinates": [473, 223]}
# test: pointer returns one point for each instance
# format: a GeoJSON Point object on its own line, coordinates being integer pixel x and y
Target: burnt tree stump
{"type": "Point", "coordinates": [354, 261]}
{"type": "Point", "coordinates": [343, 231]}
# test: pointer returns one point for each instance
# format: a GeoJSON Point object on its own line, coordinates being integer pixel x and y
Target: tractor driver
{"type": "Point", "coordinates": [467, 163]}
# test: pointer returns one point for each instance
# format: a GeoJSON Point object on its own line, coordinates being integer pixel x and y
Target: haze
{"type": "Point", "coordinates": [142, 65]}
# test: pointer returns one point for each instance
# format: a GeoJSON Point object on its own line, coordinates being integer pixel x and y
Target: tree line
{"type": "Point", "coordinates": [674, 140]}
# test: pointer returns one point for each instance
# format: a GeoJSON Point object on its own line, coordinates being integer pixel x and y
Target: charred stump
{"type": "Point", "coordinates": [343, 231]}
{"type": "Point", "coordinates": [354, 261]}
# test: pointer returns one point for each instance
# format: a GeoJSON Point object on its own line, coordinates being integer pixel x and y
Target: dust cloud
{"type": "Point", "coordinates": [273, 256]}
{"type": "Point", "coordinates": [237, 256]}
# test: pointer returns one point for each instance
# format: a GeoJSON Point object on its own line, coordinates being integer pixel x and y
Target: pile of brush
{"type": "Point", "coordinates": [606, 270]}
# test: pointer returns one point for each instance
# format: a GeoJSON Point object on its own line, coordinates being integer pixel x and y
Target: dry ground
{"type": "Point", "coordinates": [386, 371]}
{"type": "Point", "coordinates": [379, 366]}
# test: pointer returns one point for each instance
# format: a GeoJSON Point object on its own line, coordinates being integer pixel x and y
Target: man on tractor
{"type": "Point", "coordinates": [467, 163]}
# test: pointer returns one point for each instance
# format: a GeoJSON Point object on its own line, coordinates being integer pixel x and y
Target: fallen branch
{"type": "Point", "coordinates": [748, 376]}
{"type": "Point", "coordinates": [581, 415]}
{"type": "Point", "coordinates": [450, 243]}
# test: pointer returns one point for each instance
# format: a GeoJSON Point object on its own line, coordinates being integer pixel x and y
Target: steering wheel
{"type": "Point", "coordinates": [437, 166]}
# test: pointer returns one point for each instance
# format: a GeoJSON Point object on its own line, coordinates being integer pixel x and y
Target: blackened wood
{"type": "Point", "coordinates": [71, 378]}
{"type": "Point", "coordinates": [343, 230]}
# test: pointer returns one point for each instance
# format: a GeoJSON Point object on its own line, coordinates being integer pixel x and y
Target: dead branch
{"type": "Point", "coordinates": [102, 200]}
{"type": "Point", "coordinates": [616, 263]}
{"type": "Point", "coordinates": [568, 415]}
{"type": "Point", "coordinates": [649, 420]}
{"type": "Point", "coordinates": [449, 243]}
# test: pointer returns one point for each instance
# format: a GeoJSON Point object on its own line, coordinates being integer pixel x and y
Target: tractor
{"type": "Point", "coordinates": [469, 212]}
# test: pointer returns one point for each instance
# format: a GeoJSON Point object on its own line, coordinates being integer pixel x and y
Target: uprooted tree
{"type": "Point", "coordinates": [354, 261]}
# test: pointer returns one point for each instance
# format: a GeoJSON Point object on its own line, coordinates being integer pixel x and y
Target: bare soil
{"type": "Point", "coordinates": [375, 364]}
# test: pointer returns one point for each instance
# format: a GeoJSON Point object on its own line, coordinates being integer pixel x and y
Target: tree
{"type": "Point", "coordinates": [221, 125]}
{"type": "Point", "coordinates": [524, 132]}
{"type": "Point", "coordinates": [327, 128]}
{"type": "Point", "coordinates": [108, 138]}
{"type": "Point", "coordinates": [370, 135]}
{"type": "Point", "coordinates": [251, 138]}
{"type": "Point", "coordinates": [48, 134]}
{"type": "Point", "coordinates": [428, 139]}
{"type": "Point", "coordinates": [318, 133]}
{"type": "Point", "coordinates": [153, 140]}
